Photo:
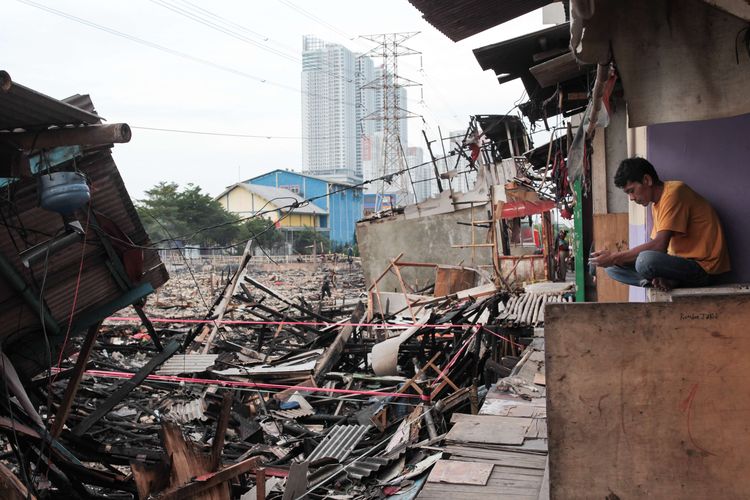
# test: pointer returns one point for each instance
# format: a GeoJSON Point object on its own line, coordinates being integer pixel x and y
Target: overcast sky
{"type": "Point", "coordinates": [202, 79]}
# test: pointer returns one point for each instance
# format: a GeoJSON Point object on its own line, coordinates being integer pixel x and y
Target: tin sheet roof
{"type": "Point", "coordinates": [22, 107]}
{"type": "Point", "coordinates": [339, 442]}
{"type": "Point", "coordinates": [462, 19]}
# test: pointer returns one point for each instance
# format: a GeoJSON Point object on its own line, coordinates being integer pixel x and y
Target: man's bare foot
{"type": "Point", "coordinates": [663, 284]}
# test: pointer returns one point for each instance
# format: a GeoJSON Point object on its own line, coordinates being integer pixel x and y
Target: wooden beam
{"type": "Point", "coordinates": [207, 481]}
{"type": "Point", "coordinates": [126, 388]}
{"type": "Point", "coordinates": [75, 380]}
{"type": "Point", "coordinates": [221, 430]}
{"type": "Point", "coordinates": [11, 488]}
{"type": "Point", "coordinates": [260, 484]}
{"type": "Point", "coordinates": [228, 294]}
{"type": "Point", "coordinates": [89, 135]}
{"type": "Point", "coordinates": [334, 351]}
{"type": "Point", "coordinates": [138, 306]}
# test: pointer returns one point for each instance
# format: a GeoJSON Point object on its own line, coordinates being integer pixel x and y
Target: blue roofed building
{"type": "Point", "coordinates": [343, 202]}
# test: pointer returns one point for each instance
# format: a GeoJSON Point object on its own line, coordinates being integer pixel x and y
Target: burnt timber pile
{"type": "Point", "coordinates": [293, 399]}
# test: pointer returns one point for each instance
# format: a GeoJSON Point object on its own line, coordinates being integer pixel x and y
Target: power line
{"type": "Point", "coordinates": [315, 18]}
{"type": "Point", "coordinates": [217, 27]}
{"type": "Point", "coordinates": [168, 50]}
{"type": "Point", "coordinates": [230, 134]}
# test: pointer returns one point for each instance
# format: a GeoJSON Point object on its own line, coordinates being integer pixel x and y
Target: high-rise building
{"type": "Point", "coordinates": [335, 136]}
{"type": "Point", "coordinates": [365, 105]}
{"type": "Point", "coordinates": [329, 118]}
{"type": "Point", "coordinates": [422, 174]}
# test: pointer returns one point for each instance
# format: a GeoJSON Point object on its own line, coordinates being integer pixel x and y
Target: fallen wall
{"type": "Point", "coordinates": [423, 239]}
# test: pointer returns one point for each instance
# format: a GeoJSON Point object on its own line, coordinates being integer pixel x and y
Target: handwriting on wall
{"type": "Point", "coordinates": [698, 316]}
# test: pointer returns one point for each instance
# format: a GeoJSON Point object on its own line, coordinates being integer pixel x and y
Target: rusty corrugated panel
{"type": "Point", "coordinates": [22, 107]}
{"type": "Point", "coordinates": [514, 57]}
{"type": "Point", "coordinates": [464, 18]}
{"type": "Point", "coordinates": [29, 225]}
{"type": "Point", "coordinates": [81, 101]}
{"type": "Point", "coordinates": [339, 442]}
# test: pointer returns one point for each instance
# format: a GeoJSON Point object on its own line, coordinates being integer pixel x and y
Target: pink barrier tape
{"type": "Point", "coordinates": [250, 385]}
{"type": "Point", "coordinates": [308, 323]}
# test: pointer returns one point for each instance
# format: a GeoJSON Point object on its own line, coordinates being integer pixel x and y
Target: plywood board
{"type": "Point", "coordinates": [460, 472]}
{"type": "Point", "coordinates": [649, 400]}
{"type": "Point", "coordinates": [450, 280]}
{"type": "Point", "coordinates": [518, 459]}
{"type": "Point", "coordinates": [611, 232]}
{"type": "Point", "coordinates": [489, 429]}
{"type": "Point", "coordinates": [504, 482]}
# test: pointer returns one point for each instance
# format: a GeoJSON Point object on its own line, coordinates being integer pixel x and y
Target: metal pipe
{"type": "Point", "coordinates": [38, 252]}
{"type": "Point", "coordinates": [19, 285]}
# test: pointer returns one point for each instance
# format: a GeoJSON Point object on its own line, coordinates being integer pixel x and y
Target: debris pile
{"type": "Point", "coordinates": [275, 392]}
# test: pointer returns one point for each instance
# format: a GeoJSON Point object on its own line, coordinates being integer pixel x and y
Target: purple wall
{"type": "Point", "coordinates": [713, 157]}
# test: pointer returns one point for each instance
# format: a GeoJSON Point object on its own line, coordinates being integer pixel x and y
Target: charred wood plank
{"type": "Point", "coordinates": [126, 388]}
{"type": "Point", "coordinates": [333, 352]}
{"type": "Point", "coordinates": [221, 430]}
{"type": "Point", "coordinates": [72, 388]}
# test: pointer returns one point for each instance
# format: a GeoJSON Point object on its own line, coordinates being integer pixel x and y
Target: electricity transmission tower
{"type": "Point", "coordinates": [389, 85]}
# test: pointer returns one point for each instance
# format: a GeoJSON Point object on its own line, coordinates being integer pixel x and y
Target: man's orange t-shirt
{"type": "Point", "coordinates": [696, 228]}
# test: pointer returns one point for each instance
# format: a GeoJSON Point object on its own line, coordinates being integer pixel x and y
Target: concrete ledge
{"type": "Point", "coordinates": [653, 295]}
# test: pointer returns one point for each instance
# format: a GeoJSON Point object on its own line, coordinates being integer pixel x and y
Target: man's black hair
{"type": "Point", "coordinates": [633, 170]}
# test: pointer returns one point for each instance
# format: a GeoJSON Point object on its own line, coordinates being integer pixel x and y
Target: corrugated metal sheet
{"type": "Point", "coordinates": [515, 56]}
{"type": "Point", "coordinates": [21, 107]}
{"type": "Point", "coordinates": [187, 363]}
{"type": "Point", "coordinates": [187, 412]}
{"type": "Point", "coordinates": [304, 409]}
{"type": "Point", "coordinates": [339, 442]}
{"type": "Point", "coordinates": [461, 19]}
{"type": "Point", "coordinates": [365, 466]}
{"type": "Point", "coordinates": [81, 101]}
{"type": "Point", "coordinates": [97, 286]}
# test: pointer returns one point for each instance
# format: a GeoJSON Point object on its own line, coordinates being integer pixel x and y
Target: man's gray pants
{"type": "Point", "coordinates": [651, 264]}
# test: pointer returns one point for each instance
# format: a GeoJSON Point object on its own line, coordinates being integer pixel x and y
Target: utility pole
{"type": "Point", "coordinates": [389, 84]}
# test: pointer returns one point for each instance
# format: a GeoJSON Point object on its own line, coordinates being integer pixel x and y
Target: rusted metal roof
{"type": "Point", "coordinates": [21, 107]}
{"type": "Point", "coordinates": [57, 279]}
{"type": "Point", "coordinates": [339, 442]}
{"type": "Point", "coordinates": [512, 59]}
{"type": "Point", "coordinates": [462, 19]}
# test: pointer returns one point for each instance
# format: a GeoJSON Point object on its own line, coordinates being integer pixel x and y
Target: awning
{"type": "Point", "coordinates": [461, 19]}
{"type": "Point", "coordinates": [22, 107]}
{"type": "Point", "coordinates": [514, 209]}
{"type": "Point", "coordinates": [542, 60]}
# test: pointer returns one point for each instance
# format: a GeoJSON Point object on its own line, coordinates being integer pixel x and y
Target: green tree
{"type": "Point", "coordinates": [303, 241]}
{"type": "Point", "coordinates": [186, 214]}
{"type": "Point", "coordinates": [263, 233]}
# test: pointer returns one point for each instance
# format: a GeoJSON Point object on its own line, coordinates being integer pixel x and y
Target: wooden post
{"type": "Point", "coordinates": [221, 430]}
{"type": "Point", "coordinates": [75, 380]}
{"type": "Point", "coordinates": [227, 298]}
{"type": "Point", "coordinates": [260, 484]}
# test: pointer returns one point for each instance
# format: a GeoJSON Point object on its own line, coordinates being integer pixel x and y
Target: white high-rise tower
{"type": "Point", "coordinates": [332, 109]}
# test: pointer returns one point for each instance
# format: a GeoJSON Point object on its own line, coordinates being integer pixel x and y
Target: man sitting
{"type": "Point", "coordinates": [687, 244]}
